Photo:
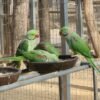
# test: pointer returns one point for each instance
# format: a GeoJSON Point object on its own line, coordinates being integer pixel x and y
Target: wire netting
{"type": "Point", "coordinates": [81, 82]}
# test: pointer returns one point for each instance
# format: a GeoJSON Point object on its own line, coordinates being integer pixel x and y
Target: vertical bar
{"type": "Point", "coordinates": [95, 87]}
{"type": "Point", "coordinates": [33, 13]}
{"type": "Point", "coordinates": [1, 28]}
{"type": "Point", "coordinates": [64, 81]}
{"type": "Point", "coordinates": [64, 87]}
{"type": "Point", "coordinates": [64, 21]}
{"type": "Point", "coordinates": [79, 19]}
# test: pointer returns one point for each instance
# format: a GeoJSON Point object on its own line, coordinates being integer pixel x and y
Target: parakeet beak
{"type": "Point", "coordinates": [37, 36]}
{"type": "Point", "coordinates": [60, 33]}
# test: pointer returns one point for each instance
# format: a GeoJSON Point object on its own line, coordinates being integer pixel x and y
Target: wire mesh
{"type": "Point", "coordinates": [46, 90]}
{"type": "Point", "coordinates": [81, 82]}
{"type": "Point", "coordinates": [6, 26]}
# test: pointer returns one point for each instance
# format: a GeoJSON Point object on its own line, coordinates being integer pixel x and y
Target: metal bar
{"type": "Point", "coordinates": [95, 87]}
{"type": "Point", "coordinates": [64, 80]}
{"type": "Point", "coordinates": [33, 13]}
{"type": "Point", "coordinates": [62, 87]}
{"type": "Point", "coordinates": [1, 28]}
{"type": "Point", "coordinates": [79, 20]}
{"type": "Point", "coordinates": [87, 88]}
{"type": "Point", "coordinates": [64, 21]}
{"type": "Point", "coordinates": [28, 76]}
{"type": "Point", "coordinates": [38, 78]}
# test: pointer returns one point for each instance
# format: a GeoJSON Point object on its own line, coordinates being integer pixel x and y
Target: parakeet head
{"type": "Point", "coordinates": [32, 34]}
{"type": "Point", "coordinates": [64, 31]}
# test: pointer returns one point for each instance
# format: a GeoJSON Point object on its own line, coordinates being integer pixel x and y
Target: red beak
{"type": "Point", "coordinates": [37, 36]}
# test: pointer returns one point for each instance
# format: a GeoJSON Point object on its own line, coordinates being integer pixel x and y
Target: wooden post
{"type": "Point", "coordinates": [20, 19]}
{"type": "Point", "coordinates": [91, 24]}
{"type": "Point", "coordinates": [44, 20]}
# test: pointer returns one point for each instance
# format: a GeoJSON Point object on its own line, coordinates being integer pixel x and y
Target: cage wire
{"type": "Point", "coordinates": [5, 26]}
{"type": "Point", "coordinates": [81, 82]}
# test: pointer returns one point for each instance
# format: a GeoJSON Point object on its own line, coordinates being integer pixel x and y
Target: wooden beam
{"type": "Point", "coordinates": [91, 25]}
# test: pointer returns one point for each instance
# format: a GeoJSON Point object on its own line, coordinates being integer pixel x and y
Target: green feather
{"type": "Point", "coordinates": [91, 62]}
{"type": "Point", "coordinates": [22, 46]}
{"type": "Point", "coordinates": [64, 29]}
{"type": "Point", "coordinates": [18, 58]}
{"type": "Point", "coordinates": [29, 43]}
{"type": "Point", "coordinates": [39, 56]}
{"type": "Point", "coordinates": [77, 44]}
{"type": "Point", "coordinates": [48, 47]}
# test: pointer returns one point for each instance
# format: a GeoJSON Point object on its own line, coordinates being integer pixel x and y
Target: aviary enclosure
{"type": "Point", "coordinates": [47, 16]}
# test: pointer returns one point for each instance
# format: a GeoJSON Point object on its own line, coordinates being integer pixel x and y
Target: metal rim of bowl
{"type": "Point", "coordinates": [70, 59]}
{"type": "Point", "coordinates": [15, 73]}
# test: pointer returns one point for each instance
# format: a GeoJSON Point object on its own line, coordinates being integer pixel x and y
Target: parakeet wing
{"type": "Point", "coordinates": [22, 46]}
{"type": "Point", "coordinates": [34, 56]}
{"type": "Point", "coordinates": [48, 47]}
{"type": "Point", "coordinates": [39, 56]}
{"type": "Point", "coordinates": [50, 57]}
{"type": "Point", "coordinates": [79, 45]}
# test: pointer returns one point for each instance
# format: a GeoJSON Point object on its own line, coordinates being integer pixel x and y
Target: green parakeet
{"type": "Point", "coordinates": [48, 47]}
{"type": "Point", "coordinates": [78, 45]}
{"type": "Point", "coordinates": [40, 56]}
{"type": "Point", "coordinates": [29, 43]}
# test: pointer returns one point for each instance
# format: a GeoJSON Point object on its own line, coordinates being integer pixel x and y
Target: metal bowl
{"type": "Point", "coordinates": [8, 75]}
{"type": "Point", "coordinates": [65, 62]}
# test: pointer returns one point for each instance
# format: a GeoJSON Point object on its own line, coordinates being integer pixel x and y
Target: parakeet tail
{"type": "Point", "coordinates": [19, 58]}
{"type": "Point", "coordinates": [90, 61]}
